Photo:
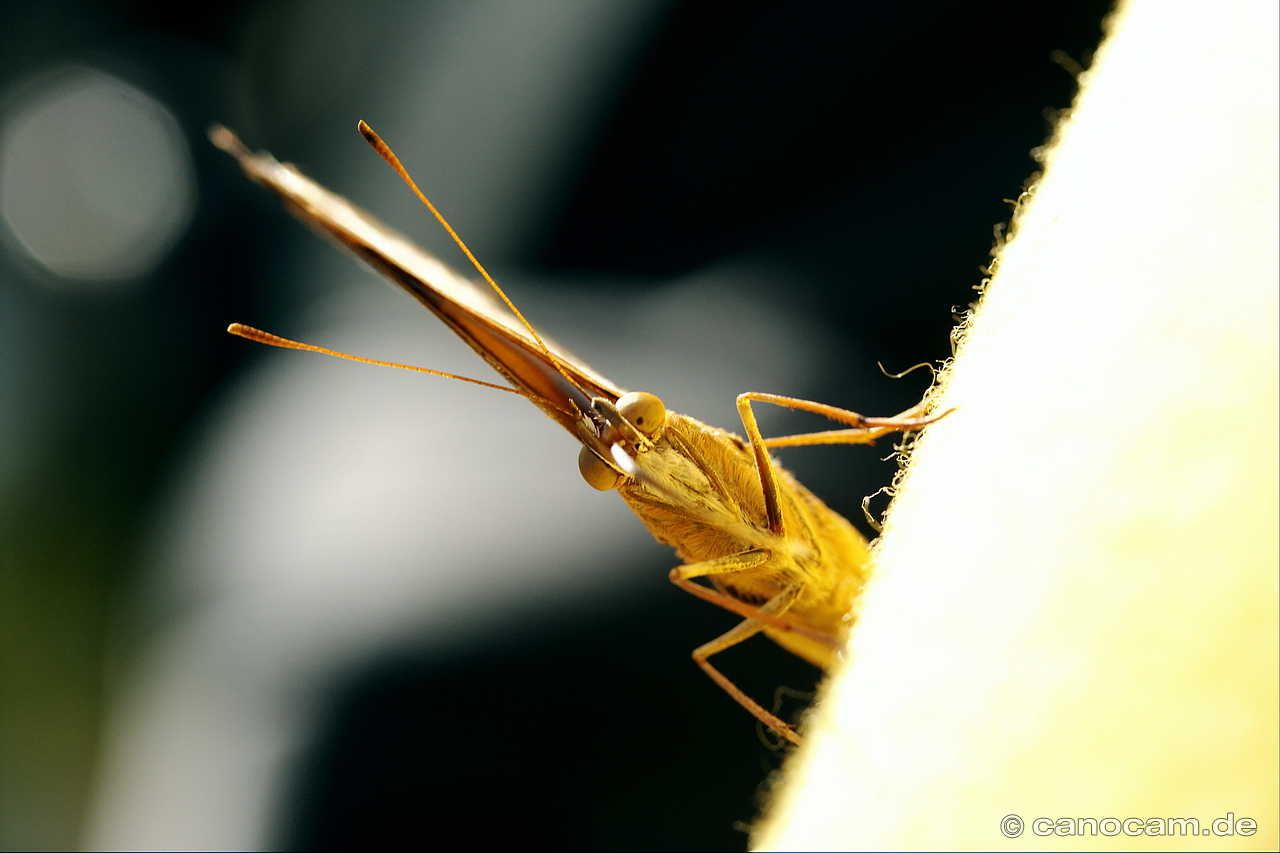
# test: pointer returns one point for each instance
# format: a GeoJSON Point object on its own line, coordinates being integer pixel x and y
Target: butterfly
{"type": "Point", "coordinates": [752, 539]}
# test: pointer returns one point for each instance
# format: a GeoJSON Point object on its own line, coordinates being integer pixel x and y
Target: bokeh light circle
{"type": "Point", "coordinates": [96, 181]}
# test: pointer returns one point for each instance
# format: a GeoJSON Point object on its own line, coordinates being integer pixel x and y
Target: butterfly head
{"type": "Point", "coordinates": [625, 430]}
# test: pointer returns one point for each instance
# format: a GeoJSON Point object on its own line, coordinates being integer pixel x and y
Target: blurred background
{"type": "Point", "coordinates": [252, 598]}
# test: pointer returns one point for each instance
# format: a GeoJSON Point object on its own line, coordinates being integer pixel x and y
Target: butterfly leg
{"type": "Point", "coordinates": [770, 614]}
{"type": "Point", "coordinates": [682, 576]}
{"type": "Point", "coordinates": [766, 613]}
{"type": "Point", "coordinates": [864, 430]}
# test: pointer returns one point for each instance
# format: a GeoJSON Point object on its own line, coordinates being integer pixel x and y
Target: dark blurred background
{"type": "Point", "coordinates": [752, 196]}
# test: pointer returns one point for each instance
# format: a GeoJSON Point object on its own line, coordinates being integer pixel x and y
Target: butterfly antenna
{"type": "Point", "coordinates": [385, 152]}
{"type": "Point", "coordinates": [252, 334]}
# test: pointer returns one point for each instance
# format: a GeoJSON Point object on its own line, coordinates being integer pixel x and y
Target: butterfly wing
{"type": "Point", "coordinates": [487, 326]}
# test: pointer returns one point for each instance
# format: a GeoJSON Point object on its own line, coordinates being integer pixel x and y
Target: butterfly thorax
{"type": "Point", "coordinates": [700, 492]}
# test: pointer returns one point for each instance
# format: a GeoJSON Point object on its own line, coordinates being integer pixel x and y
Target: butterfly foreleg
{"type": "Point", "coordinates": [682, 576]}
{"type": "Point", "coordinates": [864, 430]}
{"type": "Point", "coordinates": [743, 630]}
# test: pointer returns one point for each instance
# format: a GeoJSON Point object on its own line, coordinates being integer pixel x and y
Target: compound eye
{"type": "Point", "coordinates": [597, 474]}
{"type": "Point", "coordinates": [644, 411]}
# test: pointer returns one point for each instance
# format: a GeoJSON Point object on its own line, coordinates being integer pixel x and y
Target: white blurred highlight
{"type": "Point", "coordinates": [96, 183]}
